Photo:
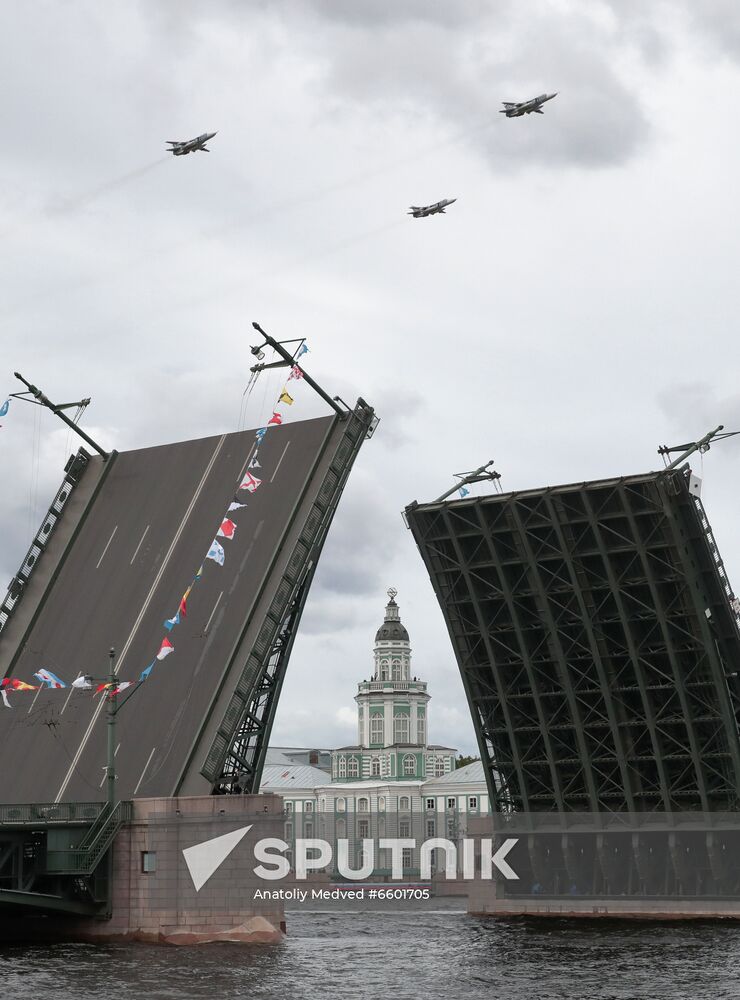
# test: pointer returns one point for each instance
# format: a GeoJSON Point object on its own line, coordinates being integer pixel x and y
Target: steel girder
{"type": "Point", "coordinates": [596, 641]}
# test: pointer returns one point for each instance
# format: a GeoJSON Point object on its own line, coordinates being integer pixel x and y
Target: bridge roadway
{"type": "Point", "coordinates": [139, 548]}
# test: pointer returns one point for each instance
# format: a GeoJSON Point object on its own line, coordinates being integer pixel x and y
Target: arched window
{"type": "Point", "coordinates": [363, 805]}
{"type": "Point", "coordinates": [409, 765]}
{"type": "Point", "coordinates": [396, 670]}
{"type": "Point", "coordinates": [342, 767]}
{"type": "Point", "coordinates": [353, 768]}
{"type": "Point", "coordinates": [322, 804]}
{"type": "Point", "coordinates": [404, 803]}
{"type": "Point", "coordinates": [381, 804]}
{"type": "Point", "coordinates": [341, 805]}
{"type": "Point", "coordinates": [341, 828]}
{"type": "Point", "coordinates": [384, 670]}
{"type": "Point", "coordinates": [376, 728]}
{"type": "Point", "coordinates": [420, 730]}
{"type": "Point", "coordinates": [400, 729]}
{"type": "Point", "coordinates": [375, 767]}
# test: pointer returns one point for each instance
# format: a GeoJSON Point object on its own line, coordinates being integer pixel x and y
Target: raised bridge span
{"type": "Point", "coordinates": [130, 539]}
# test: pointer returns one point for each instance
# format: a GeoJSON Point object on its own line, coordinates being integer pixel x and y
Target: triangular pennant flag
{"type": "Point", "coordinates": [254, 464]}
{"type": "Point", "coordinates": [295, 372]}
{"type": "Point", "coordinates": [121, 687]}
{"type": "Point", "coordinates": [275, 419]}
{"type": "Point", "coordinates": [235, 505]}
{"type": "Point", "coordinates": [301, 351]}
{"type": "Point", "coordinates": [216, 552]}
{"type": "Point", "coordinates": [198, 575]}
{"type": "Point", "coordinates": [5, 699]}
{"type": "Point", "coordinates": [103, 687]}
{"type": "Point", "coordinates": [165, 649]}
{"type": "Point", "coordinates": [250, 483]}
{"type": "Point", "coordinates": [285, 397]}
{"type": "Point", "coordinates": [203, 859]}
{"type": "Point", "coordinates": [261, 433]}
{"type": "Point", "coordinates": [463, 492]}
{"type": "Point", "coordinates": [3, 411]}
{"type": "Point", "coordinates": [47, 677]}
{"type": "Point", "coordinates": [82, 683]}
{"type": "Point", "coordinates": [16, 685]}
{"type": "Point", "coordinates": [227, 529]}
{"type": "Point", "coordinates": [171, 622]}
{"type": "Point", "coordinates": [145, 673]}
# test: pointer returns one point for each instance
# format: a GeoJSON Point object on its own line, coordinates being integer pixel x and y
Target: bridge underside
{"type": "Point", "coordinates": [599, 651]}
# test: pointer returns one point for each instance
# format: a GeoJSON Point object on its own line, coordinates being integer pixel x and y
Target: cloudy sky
{"type": "Point", "coordinates": [574, 309]}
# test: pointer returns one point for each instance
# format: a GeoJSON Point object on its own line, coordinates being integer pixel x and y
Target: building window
{"type": "Point", "coordinates": [406, 858]}
{"type": "Point", "coordinates": [322, 804]}
{"type": "Point", "coordinates": [473, 803]}
{"type": "Point", "coordinates": [384, 670]}
{"type": "Point", "coordinates": [431, 826]}
{"type": "Point", "coordinates": [401, 729]}
{"type": "Point", "coordinates": [353, 770]}
{"type": "Point", "coordinates": [288, 831]}
{"type": "Point", "coordinates": [289, 807]}
{"type": "Point", "coordinates": [381, 804]}
{"type": "Point", "coordinates": [396, 670]}
{"type": "Point", "coordinates": [404, 803]}
{"type": "Point", "coordinates": [404, 828]}
{"type": "Point", "coordinates": [341, 805]}
{"type": "Point", "coordinates": [409, 765]}
{"type": "Point", "coordinates": [148, 862]}
{"type": "Point", "coordinates": [430, 803]}
{"type": "Point", "coordinates": [363, 805]}
{"type": "Point", "coordinates": [341, 829]}
{"type": "Point", "coordinates": [439, 767]}
{"type": "Point", "coordinates": [376, 728]}
{"type": "Point", "coordinates": [308, 807]}
{"type": "Point", "coordinates": [342, 767]}
{"type": "Point", "coordinates": [308, 830]}
{"type": "Point", "coordinates": [451, 802]}
{"type": "Point", "coordinates": [375, 767]}
{"type": "Point", "coordinates": [420, 730]}
{"type": "Point", "coordinates": [451, 828]}
{"type": "Point", "coordinates": [363, 828]}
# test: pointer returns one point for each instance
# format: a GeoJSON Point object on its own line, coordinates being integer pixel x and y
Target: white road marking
{"type": "Point", "coordinates": [137, 623]}
{"type": "Point", "coordinates": [106, 547]}
{"type": "Point", "coordinates": [244, 467]}
{"type": "Point", "coordinates": [139, 545]}
{"type": "Point", "coordinates": [148, 762]}
{"type": "Point", "coordinates": [66, 700]}
{"type": "Point", "coordinates": [205, 630]}
{"type": "Point", "coordinates": [279, 461]}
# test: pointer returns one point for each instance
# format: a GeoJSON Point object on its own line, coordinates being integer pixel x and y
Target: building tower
{"type": "Point", "coordinates": [391, 715]}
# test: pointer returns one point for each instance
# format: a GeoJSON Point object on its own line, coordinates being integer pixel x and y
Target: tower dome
{"type": "Point", "coordinates": [392, 630]}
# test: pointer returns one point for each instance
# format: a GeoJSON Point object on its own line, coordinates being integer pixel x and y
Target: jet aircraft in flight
{"type": "Point", "coordinates": [190, 145]}
{"type": "Point", "coordinates": [526, 107]}
{"type": "Point", "coordinates": [421, 212]}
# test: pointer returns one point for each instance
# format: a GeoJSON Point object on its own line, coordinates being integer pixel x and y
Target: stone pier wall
{"type": "Point", "coordinates": [163, 904]}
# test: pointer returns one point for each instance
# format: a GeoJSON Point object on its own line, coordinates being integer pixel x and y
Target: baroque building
{"type": "Point", "coordinates": [392, 782]}
{"type": "Point", "coordinates": [392, 716]}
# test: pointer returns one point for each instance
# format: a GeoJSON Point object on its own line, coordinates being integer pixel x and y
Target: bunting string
{"type": "Point", "coordinates": [216, 553]}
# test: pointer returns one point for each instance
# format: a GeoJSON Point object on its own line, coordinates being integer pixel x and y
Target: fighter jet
{"type": "Point", "coordinates": [421, 212]}
{"type": "Point", "coordinates": [190, 145]}
{"type": "Point", "coordinates": [526, 107]}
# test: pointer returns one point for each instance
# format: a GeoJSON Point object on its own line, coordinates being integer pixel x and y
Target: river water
{"type": "Point", "coordinates": [404, 956]}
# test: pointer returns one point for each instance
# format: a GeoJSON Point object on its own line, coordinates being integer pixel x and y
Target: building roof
{"type": "Point", "coordinates": [469, 773]}
{"type": "Point", "coordinates": [285, 776]}
{"type": "Point", "coordinates": [392, 628]}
